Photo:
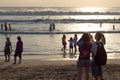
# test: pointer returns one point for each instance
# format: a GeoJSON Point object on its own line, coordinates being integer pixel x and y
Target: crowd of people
{"type": "Point", "coordinates": [87, 48]}
{"type": "Point", "coordinates": [6, 27]}
{"type": "Point", "coordinates": [72, 44]}
{"type": "Point", "coordinates": [8, 49]}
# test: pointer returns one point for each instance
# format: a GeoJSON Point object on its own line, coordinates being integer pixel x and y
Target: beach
{"type": "Point", "coordinates": [42, 54]}
{"type": "Point", "coordinates": [51, 67]}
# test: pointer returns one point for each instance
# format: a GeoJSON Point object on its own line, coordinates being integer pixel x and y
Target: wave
{"type": "Point", "coordinates": [58, 13]}
{"type": "Point", "coordinates": [67, 20]}
{"type": "Point", "coordinates": [52, 32]}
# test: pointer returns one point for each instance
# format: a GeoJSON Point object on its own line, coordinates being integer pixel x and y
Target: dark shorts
{"type": "Point", "coordinates": [83, 63]}
{"type": "Point", "coordinates": [18, 54]}
{"type": "Point", "coordinates": [96, 70]}
{"type": "Point", "coordinates": [71, 46]}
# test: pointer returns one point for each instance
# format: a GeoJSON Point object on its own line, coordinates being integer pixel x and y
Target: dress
{"type": "Point", "coordinates": [19, 49]}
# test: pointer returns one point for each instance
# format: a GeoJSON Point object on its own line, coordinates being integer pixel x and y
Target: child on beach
{"type": "Point", "coordinates": [19, 50]}
{"type": "Point", "coordinates": [97, 70]}
{"type": "Point", "coordinates": [85, 46]}
{"type": "Point", "coordinates": [7, 49]}
{"type": "Point", "coordinates": [71, 45]}
{"type": "Point", "coordinates": [75, 43]}
{"type": "Point", "coordinates": [64, 44]}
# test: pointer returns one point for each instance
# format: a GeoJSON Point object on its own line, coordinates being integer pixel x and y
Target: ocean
{"type": "Point", "coordinates": [32, 24]}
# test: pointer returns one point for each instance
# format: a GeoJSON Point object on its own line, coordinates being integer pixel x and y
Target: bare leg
{"type": "Point", "coordinates": [87, 73]}
{"type": "Point", "coordinates": [8, 57]}
{"type": "Point", "coordinates": [80, 73]}
{"type": "Point", "coordinates": [75, 49]}
{"type": "Point", "coordinates": [20, 59]}
{"type": "Point", "coordinates": [14, 60]}
{"type": "Point", "coordinates": [96, 78]}
{"type": "Point", "coordinates": [101, 78]}
{"type": "Point", "coordinates": [5, 58]}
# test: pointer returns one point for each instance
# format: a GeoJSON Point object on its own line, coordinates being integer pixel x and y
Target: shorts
{"type": "Point", "coordinates": [18, 54]}
{"type": "Point", "coordinates": [96, 70]}
{"type": "Point", "coordinates": [71, 46]}
{"type": "Point", "coordinates": [83, 63]}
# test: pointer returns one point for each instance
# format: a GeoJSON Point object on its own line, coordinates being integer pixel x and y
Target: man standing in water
{"type": "Point", "coordinates": [19, 50]}
{"type": "Point", "coordinates": [5, 26]}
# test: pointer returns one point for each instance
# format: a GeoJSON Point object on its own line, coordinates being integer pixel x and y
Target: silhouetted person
{"type": "Point", "coordinates": [101, 24]}
{"type": "Point", "coordinates": [18, 50]}
{"type": "Point", "coordinates": [53, 25]}
{"type": "Point", "coordinates": [64, 45]}
{"type": "Point", "coordinates": [75, 43]}
{"type": "Point", "coordinates": [5, 26]}
{"type": "Point", "coordinates": [50, 27]}
{"type": "Point", "coordinates": [97, 72]}
{"type": "Point", "coordinates": [9, 27]}
{"type": "Point", "coordinates": [83, 62]}
{"type": "Point", "coordinates": [7, 49]}
{"type": "Point", "coordinates": [71, 47]}
{"type": "Point", "coordinates": [113, 27]}
{"type": "Point", "coordinates": [1, 26]}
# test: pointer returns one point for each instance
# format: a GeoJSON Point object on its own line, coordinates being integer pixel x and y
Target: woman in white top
{"type": "Point", "coordinates": [97, 70]}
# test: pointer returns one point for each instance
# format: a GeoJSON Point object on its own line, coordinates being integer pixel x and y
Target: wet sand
{"type": "Point", "coordinates": [51, 68]}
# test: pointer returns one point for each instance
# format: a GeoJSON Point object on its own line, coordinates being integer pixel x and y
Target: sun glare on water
{"type": "Point", "coordinates": [92, 9]}
{"type": "Point", "coordinates": [90, 26]}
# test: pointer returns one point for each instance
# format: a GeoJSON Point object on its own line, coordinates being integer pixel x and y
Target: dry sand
{"type": "Point", "coordinates": [51, 68]}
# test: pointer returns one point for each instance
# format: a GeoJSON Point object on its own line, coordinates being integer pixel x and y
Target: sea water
{"type": "Point", "coordinates": [37, 20]}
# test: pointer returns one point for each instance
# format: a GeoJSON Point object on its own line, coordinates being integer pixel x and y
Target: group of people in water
{"type": "Point", "coordinates": [8, 49]}
{"type": "Point", "coordinates": [86, 47]}
{"type": "Point", "coordinates": [6, 27]}
{"type": "Point", "coordinates": [72, 44]}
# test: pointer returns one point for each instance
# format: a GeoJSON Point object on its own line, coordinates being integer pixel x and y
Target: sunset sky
{"type": "Point", "coordinates": [60, 3]}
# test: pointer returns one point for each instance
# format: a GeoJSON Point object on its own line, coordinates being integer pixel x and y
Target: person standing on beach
{"type": "Point", "coordinates": [64, 44]}
{"type": "Point", "coordinates": [53, 25]}
{"type": "Point", "coordinates": [1, 26]}
{"type": "Point", "coordinates": [75, 43]}
{"type": "Point", "coordinates": [97, 70]}
{"type": "Point", "coordinates": [50, 28]}
{"type": "Point", "coordinates": [7, 49]}
{"type": "Point", "coordinates": [5, 26]}
{"type": "Point", "coordinates": [113, 27]}
{"type": "Point", "coordinates": [18, 50]}
{"type": "Point", "coordinates": [9, 27]}
{"type": "Point", "coordinates": [85, 46]}
{"type": "Point", "coordinates": [71, 47]}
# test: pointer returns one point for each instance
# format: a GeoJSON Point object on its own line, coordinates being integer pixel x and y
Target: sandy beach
{"type": "Point", "coordinates": [51, 67]}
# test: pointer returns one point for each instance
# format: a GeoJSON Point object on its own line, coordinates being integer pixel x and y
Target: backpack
{"type": "Point", "coordinates": [101, 56]}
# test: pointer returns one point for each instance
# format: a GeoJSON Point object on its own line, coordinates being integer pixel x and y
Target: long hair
{"type": "Point", "coordinates": [85, 37]}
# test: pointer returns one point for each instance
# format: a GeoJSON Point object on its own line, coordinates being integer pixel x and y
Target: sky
{"type": "Point", "coordinates": [60, 3]}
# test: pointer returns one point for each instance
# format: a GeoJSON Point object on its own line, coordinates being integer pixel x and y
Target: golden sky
{"type": "Point", "coordinates": [60, 3]}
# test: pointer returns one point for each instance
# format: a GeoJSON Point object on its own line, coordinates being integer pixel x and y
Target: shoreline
{"type": "Point", "coordinates": [54, 32]}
